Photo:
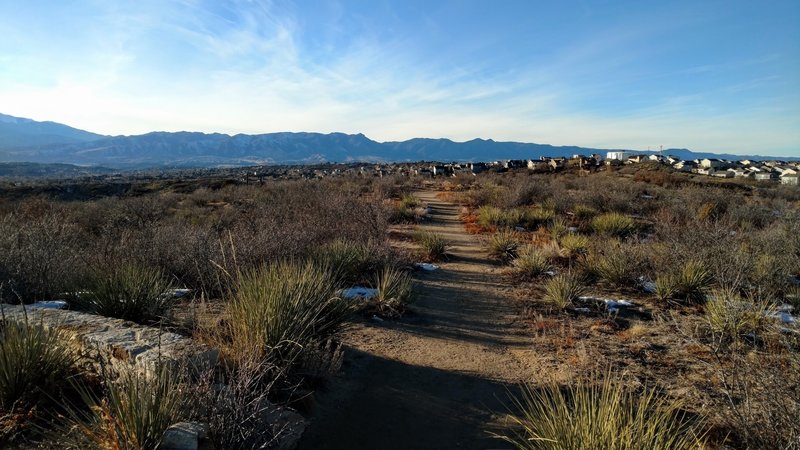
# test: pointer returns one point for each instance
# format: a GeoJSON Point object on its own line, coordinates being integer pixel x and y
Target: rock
{"type": "Point", "coordinates": [183, 436]}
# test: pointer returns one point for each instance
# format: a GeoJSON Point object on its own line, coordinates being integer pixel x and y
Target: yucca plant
{"type": "Point", "coordinates": [128, 291]}
{"type": "Point", "coordinates": [538, 217]}
{"type": "Point", "coordinates": [558, 228]}
{"type": "Point", "coordinates": [600, 415]}
{"type": "Point", "coordinates": [615, 267]}
{"type": "Point", "coordinates": [562, 290]}
{"type": "Point", "coordinates": [575, 244]}
{"type": "Point", "coordinates": [279, 309]}
{"type": "Point", "coordinates": [531, 263]}
{"type": "Point", "coordinates": [490, 216]}
{"type": "Point", "coordinates": [693, 282]}
{"type": "Point", "coordinates": [666, 286]}
{"type": "Point", "coordinates": [613, 224]}
{"type": "Point", "coordinates": [433, 245]}
{"type": "Point", "coordinates": [33, 360]}
{"type": "Point", "coordinates": [732, 317]}
{"type": "Point", "coordinates": [394, 291]}
{"type": "Point", "coordinates": [583, 212]}
{"type": "Point", "coordinates": [133, 413]}
{"type": "Point", "coordinates": [408, 201]}
{"type": "Point", "coordinates": [504, 245]}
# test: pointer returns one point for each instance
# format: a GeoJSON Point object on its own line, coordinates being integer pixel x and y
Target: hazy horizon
{"type": "Point", "coordinates": [720, 77]}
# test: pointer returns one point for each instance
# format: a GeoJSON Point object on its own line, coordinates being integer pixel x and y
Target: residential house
{"type": "Point", "coordinates": [790, 179]}
{"type": "Point", "coordinates": [619, 156]}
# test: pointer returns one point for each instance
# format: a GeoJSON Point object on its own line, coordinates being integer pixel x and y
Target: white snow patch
{"type": "Point", "coordinates": [519, 229]}
{"type": "Point", "coordinates": [550, 273]}
{"type": "Point", "coordinates": [359, 292]}
{"type": "Point", "coordinates": [612, 305]}
{"type": "Point", "coordinates": [784, 317]}
{"type": "Point", "coordinates": [647, 285]}
{"type": "Point", "coordinates": [178, 293]}
{"type": "Point", "coordinates": [426, 266]}
{"type": "Point", "coordinates": [50, 304]}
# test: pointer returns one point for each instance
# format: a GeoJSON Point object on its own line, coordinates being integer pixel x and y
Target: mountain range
{"type": "Point", "coordinates": [26, 140]}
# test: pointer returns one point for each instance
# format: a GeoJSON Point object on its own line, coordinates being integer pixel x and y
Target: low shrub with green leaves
{"type": "Point", "coordinates": [601, 415]}
{"type": "Point", "coordinates": [613, 224]}
{"type": "Point", "coordinates": [34, 360]}
{"type": "Point", "coordinates": [666, 286]}
{"type": "Point", "coordinates": [433, 245]}
{"type": "Point", "coordinates": [562, 290]}
{"type": "Point", "coordinates": [531, 263]}
{"type": "Point", "coordinates": [489, 216]}
{"type": "Point", "coordinates": [617, 266]}
{"type": "Point", "coordinates": [133, 413]}
{"type": "Point", "coordinates": [583, 212]}
{"type": "Point", "coordinates": [129, 292]}
{"type": "Point", "coordinates": [279, 309]}
{"type": "Point", "coordinates": [504, 245]}
{"type": "Point", "coordinates": [394, 291]}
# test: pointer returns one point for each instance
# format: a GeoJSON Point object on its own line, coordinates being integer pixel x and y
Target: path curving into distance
{"type": "Point", "coordinates": [438, 378]}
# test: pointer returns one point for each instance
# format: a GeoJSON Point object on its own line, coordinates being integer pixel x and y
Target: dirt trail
{"type": "Point", "coordinates": [438, 378]}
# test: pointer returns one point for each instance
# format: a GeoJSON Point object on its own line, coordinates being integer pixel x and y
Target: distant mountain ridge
{"type": "Point", "coordinates": [49, 142]}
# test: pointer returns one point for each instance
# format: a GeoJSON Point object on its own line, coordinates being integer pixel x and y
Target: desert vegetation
{"type": "Point", "coordinates": [663, 273]}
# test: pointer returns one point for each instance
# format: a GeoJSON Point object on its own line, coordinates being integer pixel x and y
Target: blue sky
{"type": "Point", "coordinates": [719, 76]}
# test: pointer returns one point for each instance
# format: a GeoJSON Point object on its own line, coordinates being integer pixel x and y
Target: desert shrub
{"type": "Point", "coordinates": [538, 217]}
{"type": "Point", "coordinates": [558, 228]}
{"type": "Point", "coordinates": [731, 317]}
{"type": "Point", "coordinates": [40, 255]}
{"type": "Point", "coordinates": [583, 212]}
{"type": "Point", "coordinates": [666, 286]}
{"type": "Point", "coordinates": [711, 211]}
{"type": "Point", "coordinates": [489, 216]}
{"type": "Point", "coordinates": [617, 265]}
{"type": "Point", "coordinates": [394, 291]}
{"type": "Point", "coordinates": [133, 413]}
{"type": "Point", "coordinates": [402, 214]}
{"type": "Point", "coordinates": [409, 201]}
{"type": "Point", "coordinates": [34, 360]}
{"type": "Point", "coordinates": [347, 261]}
{"type": "Point", "coordinates": [594, 415]}
{"type": "Point", "coordinates": [503, 245]}
{"type": "Point", "coordinates": [432, 245]}
{"type": "Point", "coordinates": [128, 291]}
{"type": "Point", "coordinates": [531, 263]}
{"type": "Point", "coordinates": [280, 309]}
{"type": "Point", "coordinates": [562, 290]}
{"type": "Point", "coordinates": [575, 244]}
{"type": "Point", "coordinates": [613, 224]}
{"type": "Point", "coordinates": [692, 282]}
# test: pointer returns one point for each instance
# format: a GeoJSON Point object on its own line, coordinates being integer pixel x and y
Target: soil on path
{"type": "Point", "coordinates": [440, 377]}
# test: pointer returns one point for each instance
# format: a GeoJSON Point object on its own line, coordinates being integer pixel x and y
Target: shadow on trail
{"type": "Point", "coordinates": [455, 408]}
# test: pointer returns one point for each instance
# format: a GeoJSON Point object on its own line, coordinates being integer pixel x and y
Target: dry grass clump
{"type": "Point", "coordinates": [692, 282]}
{"type": "Point", "coordinates": [279, 310]}
{"type": "Point", "coordinates": [613, 224]}
{"type": "Point", "coordinates": [531, 263]}
{"type": "Point", "coordinates": [583, 212]}
{"type": "Point", "coordinates": [127, 291]}
{"type": "Point", "coordinates": [601, 414]}
{"type": "Point", "coordinates": [404, 211]}
{"type": "Point", "coordinates": [538, 217]}
{"type": "Point", "coordinates": [347, 261]}
{"type": "Point", "coordinates": [432, 245]}
{"type": "Point", "coordinates": [562, 290]}
{"type": "Point", "coordinates": [617, 266]}
{"type": "Point", "coordinates": [504, 245]}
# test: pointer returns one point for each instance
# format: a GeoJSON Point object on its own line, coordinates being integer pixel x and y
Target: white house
{"type": "Point", "coordinates": [619, 156]}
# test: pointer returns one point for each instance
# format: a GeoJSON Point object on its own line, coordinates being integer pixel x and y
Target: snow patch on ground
{"type": "Point", "coordinates": [428, 267]}
{"type": "Point", "coordinates": [359, 292]}
{"type": "Point", "coordinates": [50, 304]}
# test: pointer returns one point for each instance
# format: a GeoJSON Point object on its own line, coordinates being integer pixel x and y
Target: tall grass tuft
{"type": "Point", "coordinates": [504, 245]}
{"type": "Point", "coordinates": [732, 317]}
{"type": "Point", "coordinates": [531, 263]}
{"type": "Point", "coordinates": [600, 415]}
{"type": "Point", "coordinates": [433, 245]}
{"type": "Point", "coordinates": [574, 244]}
{"type": "Point", "coordinates": [693, 282]}
{"type": "Point", "coordinates": [394, 291]}
{"type": "Point", "coordinates": [33, 360]}
{"type": "Point", "coordinates": [347, 261]}
{"type": "Point", "coordinates": [564, 289]}
{"type": "Point", "coordinates": [280, 309]}
{"type": "Point", "coordinates": [490, 216]}
{"type": "Point", "coordinates": [134, 413]}
{"type": "Point", "coordinates": [666, 286]}
{"type": "Point", "coordinates": [613, 224]}
{"type": "Point", "coordinates": [129, 291]}
{"type": "Point", "coordinates": [538, 217]}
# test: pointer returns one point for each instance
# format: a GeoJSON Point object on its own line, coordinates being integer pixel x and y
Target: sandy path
{"type": "Point", "coordinates": [438, 378]}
